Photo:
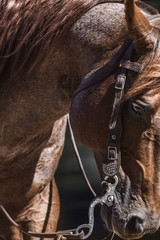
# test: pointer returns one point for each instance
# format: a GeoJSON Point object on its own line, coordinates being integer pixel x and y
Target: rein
{"type": "Point", "coordinates": [112, 158]}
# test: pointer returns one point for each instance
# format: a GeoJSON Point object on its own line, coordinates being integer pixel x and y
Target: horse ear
{"type": "Point", "coordinates": [139, 27]}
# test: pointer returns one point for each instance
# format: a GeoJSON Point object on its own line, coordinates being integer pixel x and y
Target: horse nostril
{"type": "Point", "coordinates": [135, 225]}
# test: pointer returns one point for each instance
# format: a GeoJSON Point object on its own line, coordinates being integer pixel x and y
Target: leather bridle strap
{"type": "Point", "coordinates": [67, 234]}
{"type": "Point", "coordinates": [136, 67]}
{"type": "Point", "coordinates": [104, 72]}
{"type": "Point", "coordinates": [112, 158]}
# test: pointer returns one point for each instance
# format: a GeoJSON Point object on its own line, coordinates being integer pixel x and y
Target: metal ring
{"type": "Point", "coordinates": [80, 229]}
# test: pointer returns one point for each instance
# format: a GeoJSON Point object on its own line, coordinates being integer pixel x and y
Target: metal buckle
{"type": "Point", "coordinates": [112, 153]}
{"type": "Point", "coordinates": [120, 82]}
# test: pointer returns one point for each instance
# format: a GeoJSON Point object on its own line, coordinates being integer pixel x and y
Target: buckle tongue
{"type": "Point", "coordinates": [120, 82]}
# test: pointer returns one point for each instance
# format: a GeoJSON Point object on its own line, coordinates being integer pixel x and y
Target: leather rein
{"type": "Point", "coordinates": [112, 158]}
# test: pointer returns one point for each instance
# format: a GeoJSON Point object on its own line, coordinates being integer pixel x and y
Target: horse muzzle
{"type": "Point", "coordinates": [129, 222]}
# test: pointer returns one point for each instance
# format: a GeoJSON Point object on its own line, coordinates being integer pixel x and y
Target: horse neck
{"type": "Point", "coordinates": [98, 35]}
{"type": "Point", "coordinates": [45, 96]}
{"type": "Point", "coordinates": [105, 31]}
{"type": "Point", "coordinates": [95, 39]}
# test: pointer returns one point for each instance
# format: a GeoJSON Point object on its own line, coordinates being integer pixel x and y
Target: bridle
{"type": "Point", "coordinates": [112, 157]}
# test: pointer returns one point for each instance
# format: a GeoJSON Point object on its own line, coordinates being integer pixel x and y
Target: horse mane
{"type": "Point", "coordinates": [31, 28]}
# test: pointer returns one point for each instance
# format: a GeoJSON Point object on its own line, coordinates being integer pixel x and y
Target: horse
{"type": "Point", "coordinates": [47, 48]}
{"type": "Point", "coordinates": [116, 120]}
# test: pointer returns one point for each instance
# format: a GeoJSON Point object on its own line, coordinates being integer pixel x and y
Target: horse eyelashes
{"type": "Point", "coordinates": [137, 109]}
{"type": "Point", "coordinates": [140, 109]}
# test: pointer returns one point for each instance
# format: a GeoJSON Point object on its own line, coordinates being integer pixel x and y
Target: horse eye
{"type": "Point", "coordinates": [139, 108]}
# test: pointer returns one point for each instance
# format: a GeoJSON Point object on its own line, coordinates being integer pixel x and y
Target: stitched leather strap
{"type": "Point", "coordinates": [112, 157]}
{"type": "Point", "coordinates": [104, 72]}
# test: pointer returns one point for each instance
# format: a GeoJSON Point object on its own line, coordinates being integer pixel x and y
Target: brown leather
{"type": "Point", "coordinates": [133, 66]}
{"type": "Point", "coordinates": [112, 157]}
{"type": "Point", "coordinates": [68, 234]}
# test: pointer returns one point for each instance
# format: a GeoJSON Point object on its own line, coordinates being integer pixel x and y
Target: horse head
{"type": "Point", "coordinates": [136, 209]}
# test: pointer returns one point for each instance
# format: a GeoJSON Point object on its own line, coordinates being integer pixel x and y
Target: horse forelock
{"type": "Point", "coordinates": [31, 29]}
{"type": "Point", "coordinates": [149, 78]}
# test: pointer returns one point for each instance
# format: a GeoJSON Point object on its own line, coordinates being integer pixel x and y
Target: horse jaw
{"type": "Point", "coordinates": [139, 28]}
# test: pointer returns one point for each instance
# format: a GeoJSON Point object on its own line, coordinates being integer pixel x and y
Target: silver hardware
{"type": "Point", "coordinates": [107, 199]}
{"type": "Point", "coordinates": [114, 137]}
{"type": "Point", "coordinates": [110, 198]}
{"type": "Point", "coordinates": [120, 82]}
{"type": "Point", "coordinates": [112, 153]}
{"type": "Point", "coordinates": [90, 225]}
{"type": "Point", "coordinates": [115, 181]}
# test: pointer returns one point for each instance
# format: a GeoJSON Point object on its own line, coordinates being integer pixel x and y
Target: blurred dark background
{"type": "Point", "coordinates": [75, 196]}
